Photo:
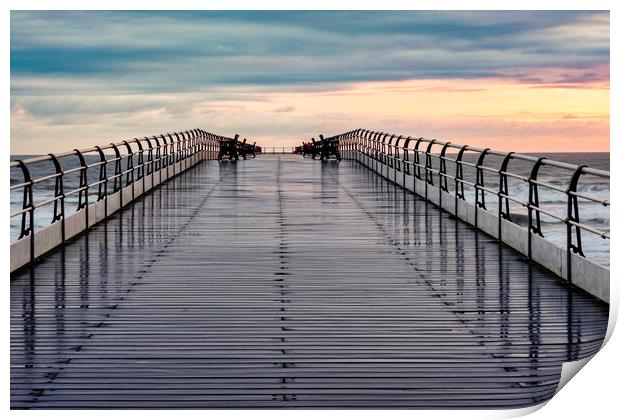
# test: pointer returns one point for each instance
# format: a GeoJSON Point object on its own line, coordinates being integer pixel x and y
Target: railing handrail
{"type": "Point", "coordinates": [133, 160]}
{"type": "Point", "coordinates": [406, 151]}
{"type": "Point", "coordinates": [122, 143]}
{"type": "Point", "coordinates": [278, 149]}
{"type": "Point", "coordinates": [521, 156]}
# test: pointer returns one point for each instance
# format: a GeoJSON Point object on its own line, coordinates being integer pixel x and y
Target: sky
{"type": "Point", "coordinates": [526, 81]}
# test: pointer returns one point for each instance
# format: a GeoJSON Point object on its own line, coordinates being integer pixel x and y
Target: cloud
{"type": "Point", "coordinates": [78, 77]}
{"type": "Point", "coordinates": [275, 48]}
{"type": "Point", "coordinates": [285, 108]}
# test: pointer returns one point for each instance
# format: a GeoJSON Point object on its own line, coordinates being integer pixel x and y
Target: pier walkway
{"type": "Point", "coordinates": [283, 282]}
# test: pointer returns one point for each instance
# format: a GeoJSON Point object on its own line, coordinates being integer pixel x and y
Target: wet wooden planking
{"type": "Point", "coordinates": [280, 282]}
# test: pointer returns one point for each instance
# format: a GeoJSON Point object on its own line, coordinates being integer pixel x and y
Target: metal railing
{"type": "Point", "coordinates": [118, 165]}
{"type": "Point", "coordinates": [428, 159]}
{"type": "Point", "coordinates": [277, 150]}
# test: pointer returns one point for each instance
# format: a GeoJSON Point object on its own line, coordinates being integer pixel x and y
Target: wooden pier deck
{"type": "Point", "coordinates": [282, 282]}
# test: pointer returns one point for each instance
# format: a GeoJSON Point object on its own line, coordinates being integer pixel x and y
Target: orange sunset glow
{"type": "Point", "coordinates": [488, 112]}
{"type": "Point", "coordinates": [524, 81]}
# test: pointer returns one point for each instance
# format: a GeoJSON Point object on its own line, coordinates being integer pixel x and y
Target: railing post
{"type": "Point", "coordinates": [209, 146]}
{"type": "Point", "coordinates": [179, 152]}
{"type": "Point", "coordinates": [417, 170]}
{"type": "Point", "coordinates": [184, 149]}
{"type": "Point", "coordinates": [118, 175]}
{"type": "Point", "coordinates": [375, 146]}
{"type": "Point", "coordinates": [174, 150]}
{"type": "Point", "coordinates": [158, 162]}
{"type": "Point", "coordinates": [27, 203]}
{"type": "Point", "coordinates": [149, 157]}
{"type": "Point", "coordinates": [368, 147]}
{"type": "Point", "coordinates": [164, 153]}
{"type": "Point", "coordinates": [201, 143]}
{"type": "Point", "coordinates": [443, 180]}
{"type": "Point", "coordinates": [384, 157]}
{"type": "Point", "coordinates": [198, 143]}
{"type": "Point", "coordinates": [130, 170]}
{"type": "Point", "coordinates": [102, 190]}
{"type": "Point", "coordinates": [459, 194]}
{"type": "Point", "coordinates": [390, 151]}
{"type": "Point", "coordinates": [59, 195]}
{"type": "Point", "coordinates": [572, 216]}
{"type": "Point", "coordinates": [502, 195]}
{"type": "Point", "coordinates": [428, 165]}
{"type": "Point", "coordinates": [191, 145]}
{"type": "Point", "coordinates": [479, 184]}
{"type": "Point", "coordinates": [364, 136]}
{"type": "Point", "coordinates": [397, 160]}
{"type": "Point", "coordinates": [141, 165]}
{"type": "Point", "coordinates": [166, 156]}
{"type": "Point", "coordinates": [83, 204]}
{"type": "Point", "coordinates": [406, 163]}
{"type": "Point", "coordinates": [173, 155]}
{"type": "Point", "coordinates": [533, 227]}
{"type": "Point", "coordinates": [406, 167]}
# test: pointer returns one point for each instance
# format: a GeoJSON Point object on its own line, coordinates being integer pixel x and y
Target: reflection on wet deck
{"type": "Point", "coordinates": [282, 282]}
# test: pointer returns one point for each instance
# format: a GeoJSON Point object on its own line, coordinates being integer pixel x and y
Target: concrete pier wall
{"type": "Point", "coordinates": [51, 236]}
{"type": "Point", "coordinates": [586, 274]}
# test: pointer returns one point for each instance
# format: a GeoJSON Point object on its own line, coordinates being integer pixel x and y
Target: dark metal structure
{"type": "Point", "coordinates": [131, 161]}
{"type": "Point", "coordinates": [233, 148]}
{"type": "Point", "coordinates": [428, 160]}
{"type": "Point", "coordinates": [324, 148]}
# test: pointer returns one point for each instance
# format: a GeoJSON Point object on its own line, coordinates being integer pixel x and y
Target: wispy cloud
{"type": "Point", "coordinates": [116, 72]}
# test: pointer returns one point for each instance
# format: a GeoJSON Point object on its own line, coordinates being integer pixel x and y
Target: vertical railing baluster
{"type": "Point", "coordinates": [376, 148]}
{"type": "Point", "coordinates": [572, 216]}
{"type": "Point", "coordinates": [479, 186]}
{"type": "Point", "coordinates": [141, 165]}
{"type": "Point", "coordinates": [459, 191]}
{"type": "Point", "coordinates": [417, 170]}
{"type": "Point", "coordinates": [502, 195]}
{"type": "Point", "coordinates": [102, 190]}
{"type": "Point", "coordinates": [406, 162]}
{"type": "Point", "coordinates": [428, 165]}
{"type": "Point", "coordinates": [158, 156]}
{"type": "Point", "coordinates": [443, 180]}
{"type": "Point", "coordinates": [130, 170]}
{"type": "Point", "coordinates": [117, 186]}
{"type": "Point", "coordinates": [397, 159]}
{"type": "Point", "coordinates": [83, 188]}
{"type": "Point", "coordinates": [59, 196]}
{"type": "Point", "coordinates": [174, 151]}
{"type": "Point", "coordinates": [390, 152]}
{"type": "Point", "coordinates": [164, 153]}
{"type": "Point", "coordinates": [383, 155]}
{"type": "Point", "coordinates": [533, 203]}
{"type": "Point", "coordinates": [148, 165]}
{"type": "Point", "coordinates": [179, 152]}
{"type": "Point", "coordinates": [27, 203]}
